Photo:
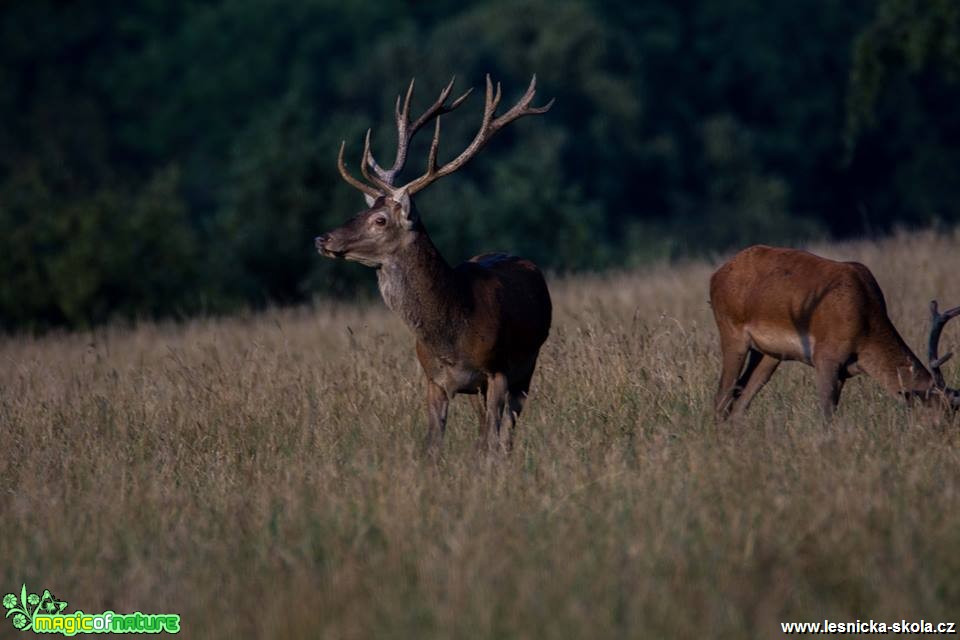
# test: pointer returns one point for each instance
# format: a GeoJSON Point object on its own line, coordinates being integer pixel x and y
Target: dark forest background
{"type": "Point", "coordinates": [163, 158]}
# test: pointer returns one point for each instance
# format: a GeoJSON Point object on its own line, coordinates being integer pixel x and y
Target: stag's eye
{"type": "Point", "coordinates": [380, 221]}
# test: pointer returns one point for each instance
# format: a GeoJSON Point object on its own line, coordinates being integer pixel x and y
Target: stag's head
{"type": "Point", "coordinates": [369, 237]}
{"type": "Point", "coordinates": [390, 219]}
{"type": "Point", "coordinates": [940, 388]}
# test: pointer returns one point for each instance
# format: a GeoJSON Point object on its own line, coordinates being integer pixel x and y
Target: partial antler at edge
{"type": "Point", "coordinates": [938, 321]}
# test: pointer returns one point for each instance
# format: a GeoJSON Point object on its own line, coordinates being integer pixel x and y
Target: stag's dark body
{"type": "Point", "coordinates": [480, 325]}
{"type": "Point", "coordinates": [485, 317]}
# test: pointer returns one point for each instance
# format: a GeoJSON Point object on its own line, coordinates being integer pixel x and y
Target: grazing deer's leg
{"type": "Point", "coordinates": [496, 399]}
{"type": "Point", "coordinates": [437, 403]}
{"type": "Point", "coordinates": [733, 357]}
{"type": "Point", "coordinates": [829, 384]}
{"type": "Point", "coordinates": [753, 359]}
{"type": "Point", "coordinates": [759, 375]}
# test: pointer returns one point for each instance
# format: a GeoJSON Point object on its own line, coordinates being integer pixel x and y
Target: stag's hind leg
{"type": "Point", "coordinates": [497, 393]}
{"type": "Point", "coordinates": [511, 414]}
{"type": "Point", "coordinates": [516, 397]}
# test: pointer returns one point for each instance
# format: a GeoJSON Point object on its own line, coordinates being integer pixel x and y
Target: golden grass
{"type": "Point", "coordinates": [261, 476]}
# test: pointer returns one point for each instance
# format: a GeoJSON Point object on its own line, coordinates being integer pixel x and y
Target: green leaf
{"type": "Point", "coordinates": [23, 596]}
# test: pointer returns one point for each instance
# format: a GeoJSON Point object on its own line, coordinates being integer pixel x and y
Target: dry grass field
{"type": "Point", "coordinates": [262, 477]}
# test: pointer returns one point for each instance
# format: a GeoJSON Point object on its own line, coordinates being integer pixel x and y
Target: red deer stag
{"type": "Point", "coordinates": [479, 326]}
{"type": "Point", "coordinates": [774, 304]}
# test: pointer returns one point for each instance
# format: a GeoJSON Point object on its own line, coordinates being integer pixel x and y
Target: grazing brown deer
{"type": "Point", "coordinates": [775, 304]}
{"type": "Point", "coordinates": [479, 326]}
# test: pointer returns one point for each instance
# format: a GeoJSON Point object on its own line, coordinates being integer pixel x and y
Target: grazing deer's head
{"type": "Point", "coordinates": [774, 304]}
{"type": "Point", "coordinates": [390, 220]}
{"type": "Point", "coordinates": [935, 362]}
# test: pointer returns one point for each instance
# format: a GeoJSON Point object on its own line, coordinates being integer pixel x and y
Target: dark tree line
{"type": "Point", "coordinates": [168, 158]}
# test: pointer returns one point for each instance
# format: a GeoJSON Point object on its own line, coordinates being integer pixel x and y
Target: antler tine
{"type": "Point", "coordinates": [488, 127]}
{"type": "Point", "coordinates": [367, 160]}
{"type": "Point", "coordinates": [493, 99]}
{"type": "Point", "coordinates": [402, 117]}
{"type": "Point", "coordinates": [435, 108]}
{"type": "Point", "coordinates": [523, 108]}
{"type": "Point", "coordinates": [353, 182]}
{"type": "Point", "coordinates": [432, 157]}
{"type": "Point", "coordinates": [938, 321]}
{"type": "Point", "coordinates": [456, 103]}
{"type": "Point", "coordinates": [434, 146]}
{"type": "Point", "coordinates": [406, 131]}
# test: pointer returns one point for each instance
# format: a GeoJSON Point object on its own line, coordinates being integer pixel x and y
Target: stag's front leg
{"type": "Point", "coordinates": [479, 400]}
{"type": "Point", "coordinates": [437, 403]}
{"type": "Point", "coordinates": [496, 399]}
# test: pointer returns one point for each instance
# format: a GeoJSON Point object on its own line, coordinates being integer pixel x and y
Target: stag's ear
{"type": "Point", "coordinates": [369, 199]}
{"type": "Point", "coordinates": [406, 208]}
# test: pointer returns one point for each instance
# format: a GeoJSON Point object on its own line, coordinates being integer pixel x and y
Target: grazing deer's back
{"type": "Point", "coordinates": [794, 305]}
{"type": "Point", "coordinates": [774, 304]}
{"type": "Point", "coordinates": [798, 289]}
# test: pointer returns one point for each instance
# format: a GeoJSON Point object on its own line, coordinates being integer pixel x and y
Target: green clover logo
{"type": "Point", "coordinates": [50, 605]}
{"type": "Point", "coordinates": [26, 608]}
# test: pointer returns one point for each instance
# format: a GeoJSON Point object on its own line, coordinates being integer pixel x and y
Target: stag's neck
{"type": "Point", "coordinates": [418, 285]}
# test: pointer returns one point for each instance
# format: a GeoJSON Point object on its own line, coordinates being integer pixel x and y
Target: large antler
{"type": "Point", "coordinates": [405, 131]}
{"type": "Point", "coordinates": [382, 179]}
{"type": "Point", "coordinates": [938, 320]}
{"type": "Point", "coordinates": [488, 127]}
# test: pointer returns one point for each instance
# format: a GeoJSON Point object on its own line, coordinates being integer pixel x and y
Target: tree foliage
{"type": "Point", "coordinates": [163, 158]}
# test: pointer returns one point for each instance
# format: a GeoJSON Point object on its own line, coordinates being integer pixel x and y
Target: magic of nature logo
{"type": "Point", "coordinates": [43, 613]}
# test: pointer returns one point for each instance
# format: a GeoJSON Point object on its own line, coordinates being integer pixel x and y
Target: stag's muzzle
{"type": "Point", "coordinates": [322, 243]}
